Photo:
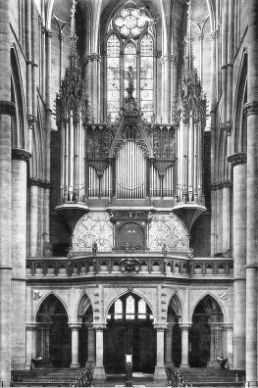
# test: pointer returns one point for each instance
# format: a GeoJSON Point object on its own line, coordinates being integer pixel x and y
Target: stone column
{"type": "Point", "coordinates": [99, 371]}
{"type": "Point", "coordinates": [228, 342]}
{"type": "Point", "coordinates": [174, 82]}
{"type": "Point", "coordinates": [165, 88]}
{"type": "Point", "coordinates": [252, 193]}
{"type": "Point", "coordinates": [6, 111]}
{"type": "Point", "coordinates": [226, 203]}
{"type": "Point", "coordinates": [160, 373]}
{"type": "Point", "coordinates": [33, 214]}
{"type": "Point", "coordinates": [239, 254]}
{"type": "Point", "coordinates": [30, 343]}
{"type": "Point", "coordinates": [212, 361]}
{"type": "Point", "coordinates": [19, 240]}
{"type": "Point", "coordinates": [169, 344]}
{"type": "Point", "coordinates": [74, 344]}
{"type": "Point", "coordinates": [185, 344]}
{"type": "Point", "coordinates": [91, 345]}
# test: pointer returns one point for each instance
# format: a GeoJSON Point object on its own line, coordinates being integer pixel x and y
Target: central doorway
{"type": "Point", "coordinates": [130, 331]}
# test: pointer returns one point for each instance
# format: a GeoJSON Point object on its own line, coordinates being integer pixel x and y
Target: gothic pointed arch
{"type": "Point", "coordinates": [239, 134]}
{"type": "Point", "coordinates": [205, 335]}
{"type": "Point", "coordinates": [85, 317]}
{"type": "Point", "coordinates": [19, 136]}
{"type": "Point", "coordinates": [129, 331]}
{"type": "Point", "coordinates": [53, 334]}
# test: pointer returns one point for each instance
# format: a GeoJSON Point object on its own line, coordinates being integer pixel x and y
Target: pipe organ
{"type": "Point", "coordinates": [130, 159]}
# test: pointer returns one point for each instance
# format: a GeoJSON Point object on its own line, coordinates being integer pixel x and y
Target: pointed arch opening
{"type": "Point", "coordinates": [53, 344]}
{"type": "Point", "coordinates": [18, 99]}
{"type": "Point", "coordinates": [206, 333]}
{"type": "Point", "coordinates": [130, 331]}
{"type": "Point", "coordinates": [173, 332]}
{"type": "Point", "coordinates": [86, 333]}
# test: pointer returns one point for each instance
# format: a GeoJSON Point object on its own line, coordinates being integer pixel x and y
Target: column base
{"type": "Point", "coordinates": [184, 366]}
{"type": "Point", "coordinates": [72, 366]}
{"type": "Point", "coordinates": [28, 366]}
{"type": "Point", "coordinates": [160, 373]}
{"type": "Point", "coordinates": [99, 373]}
{"type": "Point", "coordinates": [213, 364]}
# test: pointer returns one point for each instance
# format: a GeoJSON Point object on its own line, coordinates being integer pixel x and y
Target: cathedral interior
{"type": "Point", "coordinates": [128, 185]}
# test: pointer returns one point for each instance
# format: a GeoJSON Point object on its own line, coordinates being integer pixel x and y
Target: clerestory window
{"type": "Point", "coordinates": [130, 58]}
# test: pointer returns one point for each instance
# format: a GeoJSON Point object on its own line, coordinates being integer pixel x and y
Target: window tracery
{"type": "Point", "coordinates": [130, 61]}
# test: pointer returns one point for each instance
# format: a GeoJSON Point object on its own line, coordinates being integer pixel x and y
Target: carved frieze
{"type": "Point", "coordinates": [94, 227]}
{"type": "Point", "coordinates": [167, 230]}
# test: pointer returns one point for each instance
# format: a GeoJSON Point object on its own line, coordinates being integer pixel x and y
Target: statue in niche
{"type": "Point", "coordinates": [94, 248]}
{"type": "Point", "coordinates": [164, 250]}
{"type": "Point", "coordinates": [130, 76]}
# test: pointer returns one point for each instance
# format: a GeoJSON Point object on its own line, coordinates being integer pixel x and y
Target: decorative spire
{"type": "Point", "coordinates": [73, 36]}
{"type": "Point", "coordinates": [189, 51]}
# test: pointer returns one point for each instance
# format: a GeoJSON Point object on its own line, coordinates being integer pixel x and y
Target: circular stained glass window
{"type": "Point", "coordinates": [131, 21]}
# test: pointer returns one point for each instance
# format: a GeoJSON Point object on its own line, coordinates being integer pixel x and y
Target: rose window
{"type": "Point", "coordinates": [131, 22]}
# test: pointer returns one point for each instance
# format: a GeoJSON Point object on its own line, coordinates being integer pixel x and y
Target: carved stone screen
{"type": "Point", "coordinates": [91, 228]}
{"type": "Point", "coordinates": [167, 230]}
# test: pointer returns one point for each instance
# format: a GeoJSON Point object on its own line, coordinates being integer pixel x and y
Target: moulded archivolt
{"type": "Point", "coordinates": [167, 230]}
{"type": "Point", "coordinates": [94, 227]}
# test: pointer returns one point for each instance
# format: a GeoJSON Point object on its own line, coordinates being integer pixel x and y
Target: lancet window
{"type": "Point", "coordinates": [130, 58]}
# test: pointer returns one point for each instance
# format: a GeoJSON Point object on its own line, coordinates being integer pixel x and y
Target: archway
{"type": "Point", "coordinates": [205, 337]}
{"type": "Point", "coordinates": [173, 333]}
{"type": "Point", "coordinates": [53, 334]}
{"type": "Point", "coordinates": [86, 334]}
{"type": "Point", "coordinates": [130, 331]}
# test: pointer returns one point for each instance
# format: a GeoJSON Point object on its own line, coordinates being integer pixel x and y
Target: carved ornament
{"type": "Point", "coordinates": [20, 154]}
{"type": "Point", "coordinates": [94, 227]}
{"type": "Point", "coordinates": [7, 108]}
{"type": "Point", "coordinates": [169, 230]}
{"type": "Point", "coordinates": [99, 165]}
{"type": "Point", "coordinates": [251, 108]}
{"type": "Point", "coordinates": [162, 166]}
{"type": "Point", "coordinates": [239, 158]}
{"type": "Point", "coordinates": [130, 265]}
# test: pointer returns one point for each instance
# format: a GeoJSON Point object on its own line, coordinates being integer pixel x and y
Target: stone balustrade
{"type": "Point", "coordinates": [107, 265]}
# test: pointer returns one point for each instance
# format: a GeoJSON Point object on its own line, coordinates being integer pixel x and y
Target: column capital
{"type": "Point", "coordinates": [94, 57]}
{"type": "Point", "coordinates": [34, 182]}
{"type": "Point", "coordinates": [214, 187]}
{"type": "Point", "coordinates": [214, 35]}
{"type": "Point", "coordinates": [20, 154]}
{"type": "Point", "coordinates": [32, 325]}
{"type": "Point", "coordinates": [7, 108]}
{"type": "Point", "coordinates": [160, 326]}
{"type": "Point", "coordinates": [227, 326]}
{"type": "Point", "coordinates": [31, 119]}
{"type": "Point", "coordinates": [226, 184]}
{"type": "Point", "coordinates": [201, 36]}
{"type": "Point", "coordinates": [185, 325]}
{"type": "Point", "coordinates": [74, 326]}
{"type": "Point", "coordinates": [164, 58]}
{"type": "Point", "coordinates": [173, 58]}
{"type": "Point", "coordinates": [99, 326]}
{"type": "Point", "coordinates": [251, 108]}
{"type": "Point", "coordinates": [238, 158]}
